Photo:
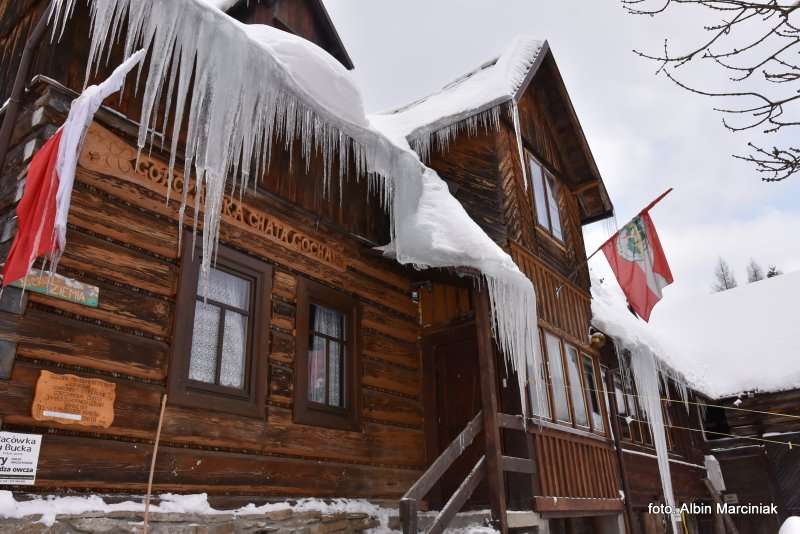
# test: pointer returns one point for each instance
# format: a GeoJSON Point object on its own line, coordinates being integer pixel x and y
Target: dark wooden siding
{"type": "Point", "coordinates": [123, 238]}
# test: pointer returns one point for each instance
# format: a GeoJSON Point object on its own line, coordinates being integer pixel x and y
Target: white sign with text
{"type": "Point", "coordinates": [19, 458]}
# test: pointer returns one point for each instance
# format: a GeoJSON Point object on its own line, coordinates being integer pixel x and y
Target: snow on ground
{"type": "Point", "coordinates": [49, 507]}
{"type": "Point", "coordinates": [742, 339]}
{"type": "Point", "coordinates": [790, 526]}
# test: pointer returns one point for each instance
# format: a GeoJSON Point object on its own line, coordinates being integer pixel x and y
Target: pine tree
{"type": "Point", "coordinates": [754, 271]}
{"type": "Point", "coordinates": [724, 277]}
{"type": "Point", "coordinates": [773, 271]}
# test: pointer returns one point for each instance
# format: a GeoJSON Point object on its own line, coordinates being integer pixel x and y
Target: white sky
{"type": "Point", "coordinates": [645, 133]}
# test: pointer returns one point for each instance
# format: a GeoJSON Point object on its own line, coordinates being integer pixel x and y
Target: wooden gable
{"type": "Point", "coordinates": [551, 127]}
{"type": "Point", "coordinates": [307, 18]}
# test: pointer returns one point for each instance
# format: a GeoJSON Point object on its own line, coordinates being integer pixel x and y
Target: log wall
{"type": "Point", "coordinates": [123, 238]}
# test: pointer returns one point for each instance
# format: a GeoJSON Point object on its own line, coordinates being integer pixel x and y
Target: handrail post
{"type": "Point", "coordinates": [491, 430]}
{"type": "Point", "coordinates": [408, 515]}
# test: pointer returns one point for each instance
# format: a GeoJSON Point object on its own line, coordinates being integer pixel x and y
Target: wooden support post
{"type": "Point", "coordinates": [409, 509]}
{"type": "Point", "coordinates": [615, 428]}
{"type": "Point", "coordinates": [715, 496]}
{"type": "Point", "coordinates": [487, 365]}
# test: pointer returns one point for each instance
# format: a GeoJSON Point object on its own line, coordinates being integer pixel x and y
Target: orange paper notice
{"type": "Point", "coordinates": [74, 400]}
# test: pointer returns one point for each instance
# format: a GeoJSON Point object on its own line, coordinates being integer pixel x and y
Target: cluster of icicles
{"type": "Point", "coordinates": [649, 374]}
{"type": "Point", "coordinates": [238, 97]}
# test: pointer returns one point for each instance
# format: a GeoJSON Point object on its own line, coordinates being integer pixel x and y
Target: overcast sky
{"type": "Point", "coordinates": [645, 133]}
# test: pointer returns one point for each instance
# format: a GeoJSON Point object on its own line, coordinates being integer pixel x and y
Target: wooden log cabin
{"type": "Point", "coordinates": [311, 365]}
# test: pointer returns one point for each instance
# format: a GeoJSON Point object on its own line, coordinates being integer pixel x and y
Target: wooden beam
{"type": "Point", "coordinates": [487, 365]}
{"type": "Point", "coordinates": [729, 524]}
{"type": "Point", "coordinates": [518, 465]}
{"type": "Point", "coordinates": [546, 505]}
{"type": "Point", "coordinates": [459, 498]}
{"type": "Point", "coordinates": [615, 429]}
{"type": "Point", "coordinates": [453, 451]}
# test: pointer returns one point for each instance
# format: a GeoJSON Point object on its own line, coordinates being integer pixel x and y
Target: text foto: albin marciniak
{"type": "Point", "coordinates": [695, 508]}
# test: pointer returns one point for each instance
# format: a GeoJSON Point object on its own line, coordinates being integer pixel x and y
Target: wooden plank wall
{"type": "Point", "coordinates": [123, 238]}
{"type": "Point", "coordinates": [569, 466]}
{"type": "Point", "coordinates": [744, 423]}
{"type": "Point", "coordinates": [568, 310]}
{"type": "Point", "coordinates": [645, 484]}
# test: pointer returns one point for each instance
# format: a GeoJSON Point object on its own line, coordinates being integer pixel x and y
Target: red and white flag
{"type": "Point", "coordinates": [42, 213]}
{"type": "Point", "coordinates": [638, 262]}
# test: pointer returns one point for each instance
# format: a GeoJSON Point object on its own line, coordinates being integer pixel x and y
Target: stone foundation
{"type": "Point", "coordinates": [283, 521]}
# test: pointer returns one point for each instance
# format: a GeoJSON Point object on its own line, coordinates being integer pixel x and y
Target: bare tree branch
{"type": "Point", "coordinates": [755, 42]}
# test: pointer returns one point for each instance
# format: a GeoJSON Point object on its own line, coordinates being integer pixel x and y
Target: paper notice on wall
{"type": "Point", "coordinates": [71, 399]}
{"type": "Point", "coordinates": [19, 458]}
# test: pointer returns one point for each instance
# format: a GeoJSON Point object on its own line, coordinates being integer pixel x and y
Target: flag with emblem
{"type": "Point", "coordinates": [43, 211]}
{"type": "Point", "coordinates": [639, 262]}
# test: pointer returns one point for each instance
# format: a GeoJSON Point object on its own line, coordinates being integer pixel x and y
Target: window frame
{"type": "Point", "coordinates": [548, 178]}
{"type": "Point", "coordinates": [595, 389]}
{"type": "Point", "coordinates": [308, 412]}
{"type": "Point", "coordinates": [580, 386]}
{"type": "Point", "coordinates": [250, 401]}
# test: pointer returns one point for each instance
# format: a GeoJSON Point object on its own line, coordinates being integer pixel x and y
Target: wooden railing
{"type": "Point", "coordinates": [409, 504]}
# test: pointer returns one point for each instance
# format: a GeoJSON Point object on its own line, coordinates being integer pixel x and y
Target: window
{"type": "Point", "coordinates": [575, 386]}
{"type": "Point", "coordinates": [540, 400]}
{"type": "Point", "coordinates": [326, 371]}
{"type": "Point", "coordinates": [545, 198]}
{"type": "Point", "coordinates": [554, 364]}
{"type": "Point", "coordinates": [593, 395]}
{"type": "Point", "coordinates": [622, 407]}
{"type": "Point", "coordinates": [219, 351]}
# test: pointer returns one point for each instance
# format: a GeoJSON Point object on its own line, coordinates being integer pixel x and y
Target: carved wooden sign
{"type": "Point", "coordinates": [60, 287]}
{"type": "Point", "coordinates": [70, 399]}
{"type": "Point", "coordinates": [108, 154]}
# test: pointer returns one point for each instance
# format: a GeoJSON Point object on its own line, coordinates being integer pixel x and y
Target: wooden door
{"type": "Point", "coordinates": [453, 399]}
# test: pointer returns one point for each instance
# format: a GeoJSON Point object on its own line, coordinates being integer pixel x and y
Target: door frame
{"type": "Point", "coordinates": [430, 406]}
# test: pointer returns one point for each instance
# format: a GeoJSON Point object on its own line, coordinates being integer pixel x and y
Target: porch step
{"type": "Point", "coordinates": [471, 521]}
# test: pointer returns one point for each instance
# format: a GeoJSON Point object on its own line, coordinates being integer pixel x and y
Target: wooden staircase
{"type": "Point", "coordinates": [409, 504]}
{"type": "Point", "coordinates": [492, 465]}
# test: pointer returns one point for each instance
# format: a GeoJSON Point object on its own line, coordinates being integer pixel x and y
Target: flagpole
{"type": "Point", "coordinates": [658, 199]}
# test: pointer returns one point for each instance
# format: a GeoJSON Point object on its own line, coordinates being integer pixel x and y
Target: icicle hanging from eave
{"type": "Point", "coordinates": [242, 100]}
{"type": "Point", "coordinates": [423, 140]}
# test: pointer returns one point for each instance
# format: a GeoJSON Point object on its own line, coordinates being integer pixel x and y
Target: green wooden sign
{"type": "Point", "coordinates": [60, 287]}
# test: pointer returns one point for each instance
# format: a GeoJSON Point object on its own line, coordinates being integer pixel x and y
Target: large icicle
{"type": "Point", "coordinates": [252, 84]}
{"type": "Point", "coordinates": [633, 337]}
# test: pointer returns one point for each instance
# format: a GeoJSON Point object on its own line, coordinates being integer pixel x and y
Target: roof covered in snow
{"type": "Point", "coordinates": [725, 343]}
{"type": "Point", "coordinates": [738, 340]}
{"type": "Point", "coordinates": [494, 82]}
{"type": "Point", "coordinates": [323, 18]}
{"type": "Point", "coordinates": [478, 98]}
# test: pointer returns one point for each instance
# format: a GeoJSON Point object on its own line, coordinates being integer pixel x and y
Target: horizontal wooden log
{"type": "Point", "coordinates": [511, 422]}
{"type": "Point", "coordinates": [364, 287]}
{"type": "Point", "coordinates": [388, 324]}
{"type": "Point", "coordinates": [390, 377]}
{"type": "Point", "coordinates": [96, 464]}
{"type": "Point", "coordinates": [569, 504]}
{"type": "Point", "coordinates": [519, 465]}
{"type": "Point", "coordinates": [390, 408]}
{"type": "Point", "coordinates": [119, 264]}
{"type": "Point", "coordinates": [117, 306]}
{"type": "Point", "coordinates": [47, 336]}
{"type": "Point", "coordinates": [378, 346]}
{"type": "Point", "coordinates": [103, 216]}
{"type": "Point", "coordinates": [136, 411]}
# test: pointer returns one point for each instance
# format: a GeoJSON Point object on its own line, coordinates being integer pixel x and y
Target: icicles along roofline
{"type": "Point", "coordinates": [475, 100]}
{"type": "Point", "coordinates": [252, 84]}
